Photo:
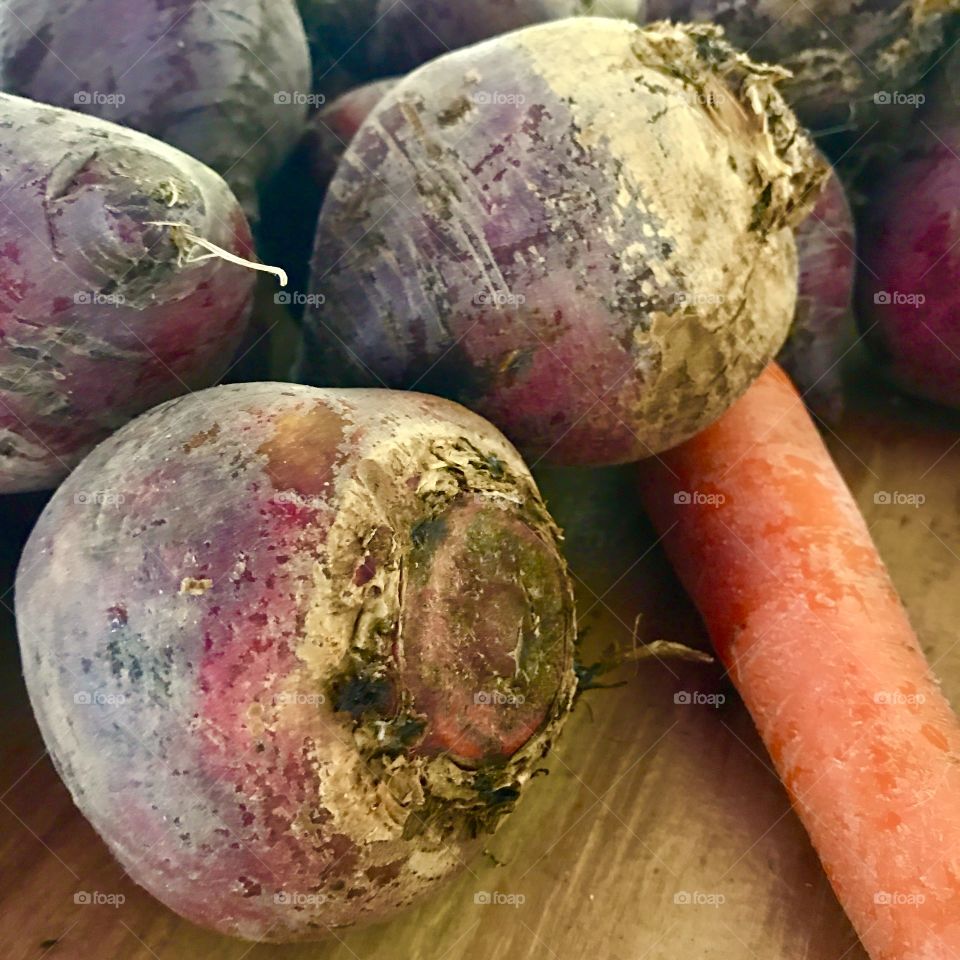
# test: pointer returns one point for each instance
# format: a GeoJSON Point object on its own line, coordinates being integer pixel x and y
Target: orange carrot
{"type": "Point", "coordinates": [770, 544]}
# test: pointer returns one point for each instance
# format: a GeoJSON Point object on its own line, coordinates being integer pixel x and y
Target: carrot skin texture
{"type": "Point", "coordinates": [769, 542]}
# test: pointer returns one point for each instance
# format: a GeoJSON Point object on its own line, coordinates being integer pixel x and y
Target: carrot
{"type": "Point", "coordinates": [771, 546]}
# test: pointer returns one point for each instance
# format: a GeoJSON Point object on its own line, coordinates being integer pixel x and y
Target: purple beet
{"type": "Point", "coordinates": [226, 81]}
{"type": "Point", "coordinates": [104, 312]}
{"type": "Point", "coordinates": [823, 329]}
{"type": "Point", "coordinates": [352, 41]}
{"type": "Point", "coordinates": [854, 61]}
{"type": "Point", "coordinates": [331, 129]}
{"type": "Point", "coordinates": [908, 296]}
{"type": "Point", "coordinates": [583, 230]}
{"type": "Point", "coordinates": [411, 33]}
{"type": "Point", "coordinates": [295, 651]}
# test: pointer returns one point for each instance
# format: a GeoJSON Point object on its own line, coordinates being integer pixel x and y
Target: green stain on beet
{"type": "Point", "coordinates": [362, 696]}
{"type": "Point", "coordinates": [495, 550]}
{"type": "Point", "coordinates": [427, 535]}
{"type": "Point", "coordinates": [456, 111]}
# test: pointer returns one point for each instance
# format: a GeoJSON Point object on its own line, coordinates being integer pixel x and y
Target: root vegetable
{"type": "Point", "coordinates": [203, 75]}
{"type": "Point", "coordinates": [331, 129]}
{"type": "Point", "coordinates": [291, 200]}
{"type": "Point", "coordinates": [103, 313]}
{"type": "Point", "coordinates": [293, 650]}
{"type": "Point", "coordinates": [907, 296]}
{"type": "Point", "coordinates": [769, 542]}
{"type": "Point", "coordinates": [582, 230]}
{"type": "Point", "coordinates": [365, 39]}
{"type": "Point", "coordinates": [851, 60]}
{"type": "Point", "coordinates": [824, 328]}
{"type": "Point", "coordinates": [337, 31]}
{"type": "Point", "coordinates": [409, 34]}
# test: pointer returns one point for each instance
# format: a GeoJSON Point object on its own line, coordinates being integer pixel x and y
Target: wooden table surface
{"type": "Point", "coordinates": [649, 802]}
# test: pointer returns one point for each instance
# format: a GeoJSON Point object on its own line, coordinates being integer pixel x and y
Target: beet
{"type": "Point", "coordinates": [409, 34]}
{"type": "Point", "coordinates": [291, 199]}
{"type": "Point", "coordinates": [331, 129]}
{"type": "Point", "coordinates": [337, 32]}
{"type": "Point", "coordinates": [353, 41]}
{"type": "Point", "coordinates": [853, 61]}
{"type": "Point", "coordinates": [581, 230]}
{"type": "Point", "coordinates": [908, 300]}
{"type": "Point", "coordinates": [102, 312]}
{"type": "Point", "coordinates": [227, 81]}
{"type": "Point", "coordinates": [824, 329]}
{"type": "Point", "coordinates": [294, 651]}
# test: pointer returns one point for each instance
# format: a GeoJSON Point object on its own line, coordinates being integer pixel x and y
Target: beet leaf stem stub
{"type": "Point", "coordinates": [187, 233]}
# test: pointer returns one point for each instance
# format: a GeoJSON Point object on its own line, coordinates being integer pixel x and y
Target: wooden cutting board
{"type": "Point", "coordinates": [661, 831]}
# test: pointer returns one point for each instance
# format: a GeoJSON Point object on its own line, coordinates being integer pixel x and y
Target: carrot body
{"type": "Point", "coordinates": [771, 546]}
